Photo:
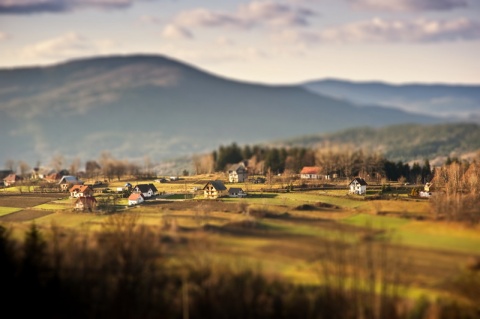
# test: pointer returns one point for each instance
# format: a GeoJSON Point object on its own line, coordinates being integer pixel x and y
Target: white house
{"type": "Point", "coordinates": [358, 186]}
{"type": "Point", "coordinates": [236, 192]}
{"type": "Point", "coordinates": [135, 199]}
{"type": "Point", "coordinates": [237, 173]}
{"type": "Point", "coordinates": [147, 190]}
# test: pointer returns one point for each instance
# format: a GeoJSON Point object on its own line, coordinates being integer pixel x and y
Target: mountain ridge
{"type": "Point", "coordinates": [446, 100]}
{"type": "Point", "coordinates": [137, 106]}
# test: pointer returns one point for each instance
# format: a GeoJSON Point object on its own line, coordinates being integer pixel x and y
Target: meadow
{"type": "Point", "coordinates": [385, 246]}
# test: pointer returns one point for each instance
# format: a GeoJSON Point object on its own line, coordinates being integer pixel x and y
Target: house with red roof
{"type": "Point", "coordinates": [311, 172]}
{"type": "Point", "coordinates": [135, 199]}
{"type": "Point", "coordinates": [12, 179]}
{"type": "Point", "coordinates": [77, 191]}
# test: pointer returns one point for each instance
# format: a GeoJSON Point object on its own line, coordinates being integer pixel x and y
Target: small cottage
{"type": "Point", "coordinates": [311, 172]}
{"type": "Point", "coordinates": [68, 181]}
{"type": "Point", "coordinates": [214, 189]}
{"type": "Point", "coordinates": [236, 192]}
{"type": "Point", "coordinates": [147, 190]}
{"type": "Point", "coordinates": [135, 199]}
{"type": "Point", "coordinates": [358, 186]}
{"type": "Point", "coordinates": [77, 191]}
{"type": "Point", "coordinates": [12, 179]}
{"type": "Point", "coordinates": [86, 203]}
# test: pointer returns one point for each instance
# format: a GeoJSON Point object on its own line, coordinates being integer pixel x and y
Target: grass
{"type": "Point", "coordinates": [288, 245]}
{"type": "Point", "coordinates": [54, 207]}
{"type": "Point", "coordinates": [8, 210]}
{"type": "Point", "coordinates": [434, 235]}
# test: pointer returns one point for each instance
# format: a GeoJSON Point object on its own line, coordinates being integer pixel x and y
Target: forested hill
{"type": "Point", "coordinates": [409, 142]}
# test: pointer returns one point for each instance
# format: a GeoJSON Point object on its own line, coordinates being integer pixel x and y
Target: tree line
{"type": "Point", "coordinates": [342, 162]}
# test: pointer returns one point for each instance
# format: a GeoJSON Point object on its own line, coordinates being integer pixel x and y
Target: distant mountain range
{"type": "Point", "coordinates": [151, 106]}
{"type": "Point", "coordinates": [447, 101]}
{"type": "Point", "coordinates": [403, 142]}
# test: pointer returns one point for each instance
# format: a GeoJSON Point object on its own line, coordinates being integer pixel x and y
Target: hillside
{"type": "Point", "coordinates": [406, 142]}
{"type": "Point", "coordinates": [152, 106]}
{"type": "Point", "coordinates": [448, 101]}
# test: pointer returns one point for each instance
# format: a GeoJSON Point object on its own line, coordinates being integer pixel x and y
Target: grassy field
{"type": "Point", "coordinates": [294, 235]}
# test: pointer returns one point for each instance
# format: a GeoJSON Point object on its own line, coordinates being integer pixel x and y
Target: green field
{"type": "Point", "coordinates": [309, 237]}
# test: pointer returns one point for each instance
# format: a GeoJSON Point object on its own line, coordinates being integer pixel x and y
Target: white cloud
{"type": "Point", "coordinates": [3, 36]}
{"type": "Point", "coordinates": [247, 16]}
{"type": "Point", "coordinates": [408, 5]}
{"type": "Point", "coordinates": [387, 31]}
{"type": "Point", "coordinates": [37, 6]}
{"type": "Point", "coordinates": [65, 46]}
{"type": "Point", "coordinates": [176, 32]}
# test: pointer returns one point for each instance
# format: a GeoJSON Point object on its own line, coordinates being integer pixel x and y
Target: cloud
{"type": "Point", "coordinates": [176, 32]}
{"type": "Point", "coordinates": [65, 46]}
{"type": "Point", "coordinates": [408, 5]}
{"type": "Point", "coordinates": [247, 16]}
{"type": "Point", "coordinates": [387, 31]}
{"type": "Point", "coordinates": [39, 6]}
{"type": "Point", "coordinates": [3, 36]}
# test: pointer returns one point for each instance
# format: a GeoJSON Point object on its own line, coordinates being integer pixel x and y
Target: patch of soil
{"type": "Point", "coordinates": [316, 206]}
{"type": "Point", "coordinates": [27, 200]}
{"type": "Point", "coordinates": [25, 215]}
{"type": "Point", "coordinates": [326, 205]}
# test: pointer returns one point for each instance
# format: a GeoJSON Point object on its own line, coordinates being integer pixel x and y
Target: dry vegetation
{"type": "Point", "coordinates": [271, 255]}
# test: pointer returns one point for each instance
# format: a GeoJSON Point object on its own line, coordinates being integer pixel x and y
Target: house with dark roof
{"type": "Point", "coordinates": [236, 192]}
{"type": "Point", "coordinates": [214, 189]}
{"type": "Point", "coordinates": [311, 172]}
{"type": "Point", "coordinates": [147, 190]}
{"type": "Point", "coordinates": [358, 186]}
{"type": "Point", "coordinates": [68, 181]}
{"type": "Point", "coordinates": [237, 173]}
{"type": "Point", "coordinates": [5, 173]}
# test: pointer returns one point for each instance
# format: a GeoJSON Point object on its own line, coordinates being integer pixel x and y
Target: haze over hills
{"type": "Point", "coordinates": [402, 142]}
{"type": "Point", "coordinates": [444, 100]}
{"type": "Point", "coordinates": [152, 106]}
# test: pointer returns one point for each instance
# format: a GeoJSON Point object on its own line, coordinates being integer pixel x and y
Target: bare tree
{"type": "Point", "coordinates": [24, 168]}
{"type": "Point", "coordinates": [57, 162]}
{"type": "Point", "coordinates": [10, 165]}
{"type": "Point", "coordinates": [74, 166]}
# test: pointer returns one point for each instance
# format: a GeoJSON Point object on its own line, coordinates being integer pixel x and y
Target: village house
{"type": "Point", "coordinates": [214, 189]}
{"type": "Point", "coordinates": [67, 181]}
{"type": "Point", "coordinates": [12, 179]}
{"type": "Point", "coordinates": [358, 186]}
{"type": "Point", "coordinates": [236, 192]}
{"type": "Point", "coordinates": [77, 191]}
{"type": "Point", "coordinates": [86, 203]}
{"type": "Point", "coordinates": [311, 172]}
{"type": "Point", "coordinates": [53, 177]}
{"type": "Point", "coordinates": [237, 173]}
{"type": "Point", "coordinates": [147, 190]}
{"type": "Point", "coordinates": [135, 199]}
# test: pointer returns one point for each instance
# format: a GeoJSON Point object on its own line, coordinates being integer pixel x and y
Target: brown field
{"type": "Point", "coordinates": [25, 215]}
{"type": "Point", "coordinates": [28, 200]}
{"type": "Point", "coordinates": [293, 236]}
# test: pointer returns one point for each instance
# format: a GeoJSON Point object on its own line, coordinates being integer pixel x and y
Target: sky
{"type": "Point", "coordinates": [262, 41]}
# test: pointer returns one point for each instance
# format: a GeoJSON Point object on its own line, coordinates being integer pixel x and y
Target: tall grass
{"type": "Point", "coordinates": [125, 271]}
